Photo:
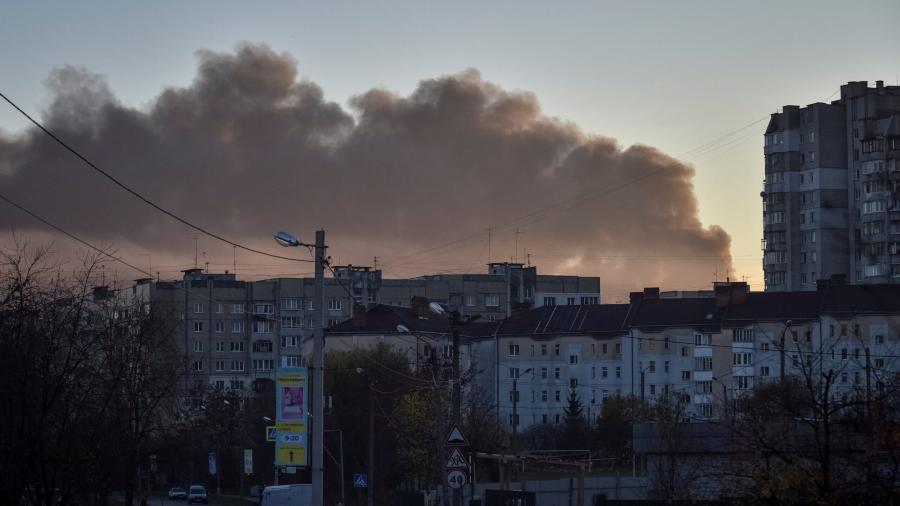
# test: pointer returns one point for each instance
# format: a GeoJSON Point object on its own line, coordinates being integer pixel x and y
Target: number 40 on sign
{"type": "Point", "coordinates": [456, 479]}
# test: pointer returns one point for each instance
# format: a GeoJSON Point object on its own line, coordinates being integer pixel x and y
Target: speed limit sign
{"type": "Point", "coordinates": [456, 479]}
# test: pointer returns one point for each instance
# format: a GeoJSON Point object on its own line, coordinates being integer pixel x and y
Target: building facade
{"type": "Point", "coordinates": [831, 193]}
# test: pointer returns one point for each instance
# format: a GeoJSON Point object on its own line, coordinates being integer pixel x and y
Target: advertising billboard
{"type": "Point", "coordinates": [291, 416]}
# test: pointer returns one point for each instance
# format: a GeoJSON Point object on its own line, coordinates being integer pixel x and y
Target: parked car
{"type": "Point", "coordinates": [197, 493]}
{"type": "Point", "coordinates": [177, 493]}
{"type": "Point", "coordinates": [286, 495]}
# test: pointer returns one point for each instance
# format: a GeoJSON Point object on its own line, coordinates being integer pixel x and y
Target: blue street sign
{"type": "Point", "coordinates": [360, 481]}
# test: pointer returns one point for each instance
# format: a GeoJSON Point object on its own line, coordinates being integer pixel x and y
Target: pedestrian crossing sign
{"type": "Point", "coordinates": [360, 481]}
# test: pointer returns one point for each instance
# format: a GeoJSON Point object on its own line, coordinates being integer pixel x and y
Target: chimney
{"type": "Point", "coordinates": [730, 292]}
{"type": "Point", "coordinates": [419, 306]}
{"type": "Point", "coordinates": [635, 297]}
{"type": "Point", "coordinates": [359, 316]}
{"type": "Point", "coordinates": [879, 85]}
{"type": "Point", "coordinates": [651, 293]}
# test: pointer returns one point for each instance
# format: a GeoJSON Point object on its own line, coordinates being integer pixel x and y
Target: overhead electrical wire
{"type": "Point", "coordinates": [72, 236]}
{"type": "Point", "coordinates": [136, 194]}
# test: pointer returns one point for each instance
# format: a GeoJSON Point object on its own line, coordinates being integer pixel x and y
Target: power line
{"type": "Point", "coordinates": [72, 236]}
{"type": "Point", "coordinates": [138, 195]}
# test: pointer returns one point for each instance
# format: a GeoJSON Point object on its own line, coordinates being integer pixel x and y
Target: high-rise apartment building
{"type": "Point", "coordinates": [831, 195]}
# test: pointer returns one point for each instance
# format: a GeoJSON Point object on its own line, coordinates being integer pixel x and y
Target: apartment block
{"type": "Point", "coordinates": [706, 352]}
{"type": "Point", "coordinates": [831, 193]}
{"type": "Point", "coordinates": [234, 332]}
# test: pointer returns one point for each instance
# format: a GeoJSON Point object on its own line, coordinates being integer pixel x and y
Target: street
{"type": "Point", "coordinates": [165, 501]}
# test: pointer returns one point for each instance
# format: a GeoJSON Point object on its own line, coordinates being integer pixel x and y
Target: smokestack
{"type": "Point", "coordinates": [359, 316]}
{"type": "Point", "coordinates": [651, 293]}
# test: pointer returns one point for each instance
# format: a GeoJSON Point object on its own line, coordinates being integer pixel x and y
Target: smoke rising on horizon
{"type": "Point", "coordinates": [248, 148]}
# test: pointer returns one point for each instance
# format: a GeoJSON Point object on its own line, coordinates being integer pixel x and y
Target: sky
{"type": "Point", "coordinates": [672, 75]}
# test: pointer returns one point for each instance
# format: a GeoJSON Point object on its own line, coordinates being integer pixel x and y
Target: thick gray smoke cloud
{"type": "Point", "coordinates": [248, 149]}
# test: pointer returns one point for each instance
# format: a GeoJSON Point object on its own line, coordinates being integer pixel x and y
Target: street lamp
{"type": "Point", "coordinates": [318, 421]}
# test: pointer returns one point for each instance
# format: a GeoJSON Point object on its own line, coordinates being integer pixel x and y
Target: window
{"type": "Point", "coordinates": [514, 396]}
{"type": "Point", "coordinates": [703, 387]}
{"type": "Point", "coordinates": [652, 389]}
{"type": "Point", "coordinates": [573, 359]}
{"type": "Point", "coordinates": [743, 335]}
{"type": "Point", "coordinates": [237, 384]}
{"type": "Point", "coordinates": [198, 326]}
{"type": "Point", "coordinates": [311, 304]}
{"type": "Point", "coordinates": [764, 371]}
{"type": "Point", "coordinates": [263, 308]}
{"type": "Point", "coordinates": [290, 304]}
{"type": "Point", "coordinates": [220, 365]}
{"type": "Point", "coordinates": [290, 361]}
{"type": "Point", "coordinates": [812, 136]}
{"type": "Point", "coordinates": [237, 308]}
{"type": "Point", "coordinates": [492, 300]}
{"type": "Point", "coordinates": [795, 361]}
{"type": "Point", "coordinates": [544, 372]}
{"type": "Point", "coordinates": [703, 363]}
{"type": "Point", "coordinates": [590, 301]}
{"type": "Point", "coordinates": [666, 366]}
{"type": "Point", "coordinates": [557, 396]}
{"type": "Point", "coordinates": [332, 322]}
{"type": "Point", "coordinates": [879, 339]}
{"type": "Point", "coordinates": [743, 382]}
{"type": "Point", "coordinates": [573, 382]}
{"type": "Point", "coordinates": [685, 375]}
{"type": "Point", "coordinates": [514, 350]}
{"type": "Point", "coordinates": [289, 341]}
{"type": "Point", "coordinates": [604, 372]}
{"type": "Point", "coordinates": [291, 322]}
{"type": "Point", "coordinates": [685, 351]}
{"type": "Point", "coordinates": [844, 354]}
{"type": "Point", "coordinates": [544, 396]}
{"type": "Point", "coordinates": [262, 346]}
{"type": "Point", "coordinates": [220, 326]}
{"type": "Point", "coordinates": [532, 350]}
{"type": "Point", "coordinates": [549, 301]}
{"type": "Point", "coordinates": [220, 346]}
{"type": "Point", "coordinates": [879, 363]}
{"type": "Point", "coordinates": [742, 359]}
{"type": "Point", "coordinates": [198, 365]}
{"type": "Point", "coordinates": [543, 349]}
{"type": "Point", "coordinates": [652, 367]}
{"type": "Point", "coordinates": [556, 349]}
{"type": "Point", "coordinates": [334, 304]}
{"type": "Point", "coordinates": [618, 371]}
{"type": "Point", "coordinates": [570, 301]}
{"type": "Point", "coordinates": [603, 348]}
{"type": "Point", "coordinates": [198, 346]}
{"type": "Point", "coordinates": [470, 300]}
{"type": "Point", "coordinates": [237, 365]}
{"type": "Point", "coordinates": [237, 345]}
{"type": "Point", "coordinates": [701, 339]}
{"type": "Point", "coordinates": [764, 346]}
{"type": "Point", "coordinates": [874, 206]}
{"type": "Point", "coordinates": [556, 373]}
{"type": "Point", "coordinates": [237, 326]}
{"type": "Point", "coordinates": [220, 308]}
{"type": "Point", "coordinates": [262, 326]}
{"type": "Point", "coordinates": [198, 307]}
{"type": "Point", "coordinates": [513, 372]}
{"type": "Point", "coordinates": [219, 384]}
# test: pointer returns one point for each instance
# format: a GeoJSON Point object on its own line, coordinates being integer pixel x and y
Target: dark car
{"type": "Point", "coordinates": [197, 493]}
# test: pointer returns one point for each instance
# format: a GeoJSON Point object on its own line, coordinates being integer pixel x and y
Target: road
{"type": "Point", "coordinates": [163, 501]}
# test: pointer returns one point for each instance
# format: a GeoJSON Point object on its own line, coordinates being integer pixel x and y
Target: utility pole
{"type": "Point", "coordinates": [787, 325]}
{"type": "Point", "coordinates": [515, 415]}
{"type": "Point", "coordinates": [318, 421]}
{"type": "Point", "coordinates": [371, 478]}
{"type": "Point", "coordinates": [457, 391]}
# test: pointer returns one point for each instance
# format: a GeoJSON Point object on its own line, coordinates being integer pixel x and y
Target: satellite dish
{"type": "Point", "coordinates": [285, 239]}
{"type": "Point", "coordinates": [436, 308]}
{"type": "Point", "coordinates": [403, 328]}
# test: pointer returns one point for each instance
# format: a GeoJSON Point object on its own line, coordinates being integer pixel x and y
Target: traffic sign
{"type": "Point", "coordinates": [456, 479]}
{"type": "Point", "coordinates": [360, 481]}
{"type": "Point", "coordinates": [456, 438]}
{"type": "Point", "coordinates": [271, 433]}
{"type": "Point", "coordinates": [456, 460]}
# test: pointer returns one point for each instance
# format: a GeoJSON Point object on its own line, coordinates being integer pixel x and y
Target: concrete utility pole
{"type": "Point", "coordinates": [371, 478]}
{"type": "Point", "coordinates": [457, 391]}
{"type": "Point", "coordinates": [318, 421]}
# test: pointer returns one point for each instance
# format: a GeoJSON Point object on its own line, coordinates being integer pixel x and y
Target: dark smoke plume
{"type": "Point", "coordinates": [248, 148]}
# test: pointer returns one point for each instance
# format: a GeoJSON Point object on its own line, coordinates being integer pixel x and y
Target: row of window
{"type": "Point", "coordinates": [259, 326]}
{"type": "Point", "coordinates": [570, 301]}
{"type": "Point", "coordinates": [262, 365]}
{"type": "Point", "coordinates": [334, 304]}
{"type": "Point", "coordinates": [515, 350]}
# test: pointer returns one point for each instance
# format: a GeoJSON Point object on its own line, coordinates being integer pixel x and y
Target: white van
{"type": "Point", "coordinates": [286, 495]}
